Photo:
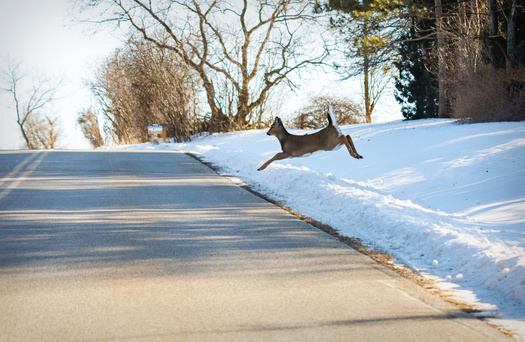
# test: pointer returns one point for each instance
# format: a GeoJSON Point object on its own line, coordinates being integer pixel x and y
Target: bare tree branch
{"type": "Point", "coordinates": [28, 101]}
{"type": "Point", "coordinates": [251, 45]}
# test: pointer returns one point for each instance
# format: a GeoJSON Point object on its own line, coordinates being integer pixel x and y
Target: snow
{"type": "Point", "coordinates": [445, 199]}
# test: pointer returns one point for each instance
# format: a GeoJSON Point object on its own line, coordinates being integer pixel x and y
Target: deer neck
{"type": "Point", "coordinates": [282, 134]}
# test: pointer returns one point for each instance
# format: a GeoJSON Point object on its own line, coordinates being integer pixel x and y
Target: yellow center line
{"type": "Point", "coordinates": [18, 168]}
{"type": "Point", "coordinates": [15, 181]}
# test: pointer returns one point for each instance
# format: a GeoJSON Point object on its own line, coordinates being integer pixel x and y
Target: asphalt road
{"type": "Point", "coordinates": [151, 246]}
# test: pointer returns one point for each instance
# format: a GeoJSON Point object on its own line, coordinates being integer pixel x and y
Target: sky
{"type": "Point", "coordinates": [42, 37]}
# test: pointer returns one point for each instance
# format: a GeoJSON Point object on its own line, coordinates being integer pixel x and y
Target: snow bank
{"type": "Point", "coordinates": [446, 199]}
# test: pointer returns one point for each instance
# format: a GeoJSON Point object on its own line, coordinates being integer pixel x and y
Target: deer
{"type": "Point", "coordinates": [326, 139]}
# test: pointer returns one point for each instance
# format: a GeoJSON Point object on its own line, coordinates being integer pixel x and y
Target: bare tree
{"type": "Point", "coordinates": [43, 132]}
{"type": "Point", "coordinates": [141, 85]}
{"type": "Point", "coordinates": [480, 83]}
{"type": "Point", "coordinates": [251, 46]}
{"type": "Point", "coordinates": [29, 101]}
{"type": "Point", "coordinates": [90, 127]}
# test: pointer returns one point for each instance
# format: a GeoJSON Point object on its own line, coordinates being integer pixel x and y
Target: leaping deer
{"type": "Point", "coordinates": [326, 139]}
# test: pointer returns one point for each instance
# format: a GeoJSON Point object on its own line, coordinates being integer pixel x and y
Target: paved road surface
{"type": "Point", "coordinates": [146, 246]}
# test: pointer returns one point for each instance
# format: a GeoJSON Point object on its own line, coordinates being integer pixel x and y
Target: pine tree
{"type": "Point", "coordinates": [416, 86]}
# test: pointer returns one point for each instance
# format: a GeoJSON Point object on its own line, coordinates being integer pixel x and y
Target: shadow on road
{"type": "Point", "coordinates": [108, 212]}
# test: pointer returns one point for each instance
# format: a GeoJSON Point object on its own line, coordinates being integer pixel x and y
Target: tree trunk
{"type": "Point", "coordinates": [21, 122]}
{"type": "Point", "coordinates": [366, 86]}
{"type": "Point", "coordinates": [242, 108]}
{"type": "Point", "coordinates": [442, 102]}
{"type": "Point", "coordinates": [366, 71]}
{"type": "Point", "coordinates": [493, 32]}
{"type": "Point", "coordinates": [511, 36]}
{"type": "Point", "coordinates": [53, 135]}
{"type": "Point", "coordinates": [219, 121]}
{"type": "Point", "coordinates": [29, 144]}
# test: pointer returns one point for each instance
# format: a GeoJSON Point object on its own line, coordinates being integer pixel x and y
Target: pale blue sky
{"type": "Point", "coordinates": [40, 35]}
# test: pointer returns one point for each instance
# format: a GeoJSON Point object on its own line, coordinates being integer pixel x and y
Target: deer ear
{"type": "Point", "coordinates": [277, 119]}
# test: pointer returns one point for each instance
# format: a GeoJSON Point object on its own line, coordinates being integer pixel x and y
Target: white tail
{"type": "Point", "coordinates": [297, 145]}
{"type": "Point", "coordinates": [332, 119]}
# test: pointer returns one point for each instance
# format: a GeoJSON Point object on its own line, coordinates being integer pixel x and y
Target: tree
{"type": "Point", "coordinates": [313, 114]}
{"type": "Point", "coordinates": [42, 132]}
{"type": "Point", "coordinates": [141, 85]}
{"type": "Point", "coordinates": [38, 131]}
{"type": "Point", "coordinates": [516, 11]}
{"type": "Point", "coordinates": [484, 81]}
{"type": "Point", "coordinates": [90, 127]}
{"type": "Point", "coordinates": [505, 35]}
{"type": "Point", "coordinates": [368, 29]}
{"type": "Point", "coordinates": [251, 47]}
{"type": "Point", "coordinates": [441, 52]}
{"type": "Point", "coordinates": [416, 86]}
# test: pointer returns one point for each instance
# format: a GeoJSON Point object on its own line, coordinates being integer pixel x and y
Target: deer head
{"type": "Point", "coordinates": [276, 127]}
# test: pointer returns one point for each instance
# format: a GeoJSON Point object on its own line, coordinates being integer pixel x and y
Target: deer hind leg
{"type": "Point", "coordinates": [278, 156]}
{"type": "Point", "coordinates": [351, 143]}
{"type": "Point", "coordinates": [347, 141]}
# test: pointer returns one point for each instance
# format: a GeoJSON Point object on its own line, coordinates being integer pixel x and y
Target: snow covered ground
{"type": "Point", "coordinates": [446, 199]}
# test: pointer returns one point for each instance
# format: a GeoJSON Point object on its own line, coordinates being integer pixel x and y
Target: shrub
{"type": "Point", "coordinates": [490, 94]}
{"type": "Point", "coordinates": [313, 114]}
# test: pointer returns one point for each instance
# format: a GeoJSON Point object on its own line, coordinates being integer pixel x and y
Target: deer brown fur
{"type": "Point", "coordinates": [326, 139]}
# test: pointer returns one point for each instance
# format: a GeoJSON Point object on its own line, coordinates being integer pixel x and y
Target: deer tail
{"type": "Point", "coordinates": [331, 119]}
{"type": "Point", "coordinates": [330, 116]}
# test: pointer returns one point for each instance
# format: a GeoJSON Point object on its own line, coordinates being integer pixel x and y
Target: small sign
{"type": "Point", "coordinates": [157, 133]}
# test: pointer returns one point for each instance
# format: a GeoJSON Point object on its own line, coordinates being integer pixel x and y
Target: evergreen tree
{"type": "Point", "coordinates": [416, 86]}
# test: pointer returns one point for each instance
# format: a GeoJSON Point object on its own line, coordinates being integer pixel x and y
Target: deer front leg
{"type": "Point", "coordinates": [278, 156]}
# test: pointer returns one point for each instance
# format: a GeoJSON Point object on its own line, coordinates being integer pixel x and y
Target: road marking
{"type": "Point", "coordinates": [18, 168]}
{"type": "Point", "coordinates": [15, 181]}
